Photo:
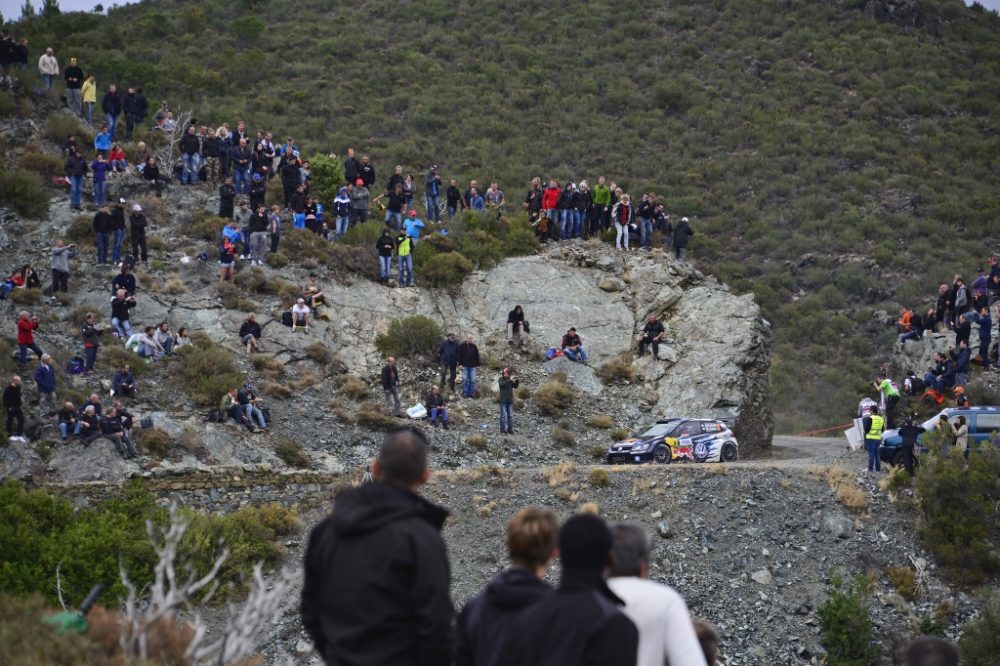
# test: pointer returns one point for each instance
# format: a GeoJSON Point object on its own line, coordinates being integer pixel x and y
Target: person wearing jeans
{"type": "Point", "coordinates": [507, 385]}
{"type": "Point", "coordinates": [468, 359]}
{"type": "Point", "coordinates": [572, 347]}
{"type": "Point", "coordinates": [432, 192]}
{"type": "Point", "coordinates": [76, 169]}
{"type": "Point", "coordinates": [404, 256]}
{"type": "Point", "coordinates": [873, 425]}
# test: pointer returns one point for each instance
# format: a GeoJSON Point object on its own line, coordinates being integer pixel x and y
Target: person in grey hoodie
{"type": "Point", "coordinates": [60, 268]}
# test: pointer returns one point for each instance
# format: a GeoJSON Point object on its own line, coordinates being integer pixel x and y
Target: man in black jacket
{"type": "Point", "coordinates": [130, 107]}
{"type": "Point", "coordinates": [352, 167]}
{"type": "Point", "coordinates": [227, 197]}
{"type": "Point", "coordinates": [74, 83]}
{"type": "Point", "coordinates": [449, 360]}
{"type": "Point", "coordinates": [909, 434]}
{"type": "Point", "coordinates": [112, 106]}
{"type": "Point", "coordinates": [468, 359]}
{"type": "Point", "coordinates": [137, 230]}
{"type": "Point", "coordinates": [581, 624]}
{"type": "Point", "coordinates": [483, 625]}
{"type": "Point", "coordinates": [76, 170]}
{"type": "Point", "coordinates": [376, 570]}
{"type": "Point", "coordinates": [190, 148]}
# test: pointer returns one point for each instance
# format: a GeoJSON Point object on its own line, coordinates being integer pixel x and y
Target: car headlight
{"type": "Point", "coordinates": [639, 447]}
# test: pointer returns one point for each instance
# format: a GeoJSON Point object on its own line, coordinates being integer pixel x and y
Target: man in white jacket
{"type": "Point", "coordinates": [666, 633]}
{"type": "Point", "coordinates": [48, 67]}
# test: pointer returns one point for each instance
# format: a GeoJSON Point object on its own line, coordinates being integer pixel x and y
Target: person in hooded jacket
{"type": "Point", "coordinates": [483, 625]}
{"type": "Point", "coordinates": [376, 570]}
{"type": "Point", "coordinates": [581, 623]}
{"type": "Point", "coordinates": [682, 232]}
{"type": "Point", "coordinates": [342, 213]}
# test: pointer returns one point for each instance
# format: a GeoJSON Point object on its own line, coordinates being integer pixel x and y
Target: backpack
{"type": "Point", "coordinates": [286, 318]}
{"type": "Point", "coordinates": [146, 422]}
{"type": "Point", "coordinates": [914, 386]}
{"type": "Point", "coordinates": [75, 366]}
{"type": "Point", "coordinates": [214, 416]}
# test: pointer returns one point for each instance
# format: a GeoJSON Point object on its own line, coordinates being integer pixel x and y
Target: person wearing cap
{"type": "Point", "coordinates": [666, 631]}
{"type": "Point", "coordinates": [413, 225]}
{"type": "Point", "coordinates": [300, 315]}
{"type": "Point", "coordinates": [483, 628]}
{"type": "Point", "coordinates": [572, 347]}
{"type": "Point", "coordinates": [137, 232]}
{"type": "Point", "coordinates": [682, 232]}
{"type": "Point", "coordinates": [448, 356]}
{"type": "Point", "coordinates": [432, 191]}
{"type": "Point", "coordinates": [581, 624]}
{"type": "Point", "coordinates": [377, 578]}
{"type": "Point", "coordinates": [359, 202]}
{"type": "Point", "coordinates": [258, 191]}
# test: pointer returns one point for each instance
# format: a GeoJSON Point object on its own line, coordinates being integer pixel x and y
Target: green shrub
{"type": "Point", "coordinates": [205, 227]}
{"type": "Point", "coordinates": [960, 504]}
{"type": "Point", "coordinates": [81, 230]}
{"type": "Point", "coordinates": [327, 177]}
{"type": "Point", "coordinates": [112, 356]}
{"type": "Point", "coordinates": [365, 234]}
{"type": "Point", "coordinates": [205, 371]}
{"type": "Point", "coordinates": [554, 396]}
{"type": "Point", "coordinates": [846, 625]}
{"type": "Point", "coordinates": [277, 259]}
{"type": "Point", "coordinates": [301, 244]}
{"type": "Point", "coordinates": [25, 192]}
{"type": "Point", "coordinates": [411, 337]}
{"type": "Point", "coordinates": [291, 453]}
{"type": "Point", "coordinates": [599, 477]}
{"type": "Point", "coordinates": [439, 270]}
{"type": "Point", "coordinates": [618, 370]}
{"type": "Point", "coordinates": [61, 125]}
{"type": "Point", "coordinates": [44, 165]}
{"type": "Point", "coordinates": [154, 441]}
{"type": "Point", "coordinates": [980, 641]}
{"type": "Point", "coordinates": [904, 580]}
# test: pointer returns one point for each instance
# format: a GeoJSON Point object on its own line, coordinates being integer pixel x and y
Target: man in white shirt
{"type": "Point", "coordinates": [300, 315]}
{"type": "Point", "coordinates": [666, 633]}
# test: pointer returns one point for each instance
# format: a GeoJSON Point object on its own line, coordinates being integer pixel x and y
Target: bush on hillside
{"type": "Point", "coordinates": [554, 396]}
{"type": "Point", "coordinates": [60, 125]}
{"type": "Point", "coordinates": [81, 230]}
{"type": "Point", "coordinates": [26, 640]}
{"type": "Point", "coordinates": [25, 192]}
{"type": "Point", "coordinates": [980, 641]}
{"type": "Point", "coordinates": [44, 165]}
{"type": "Point", "coordinates": [291, 453]}
{"type": "Point", "coordinates": [846, 625]}
{"type": "Point", "coordinates": [327, 177]}
{"type": "Point", "coordinates": [439, 270]}
{"type": "Point", "coordinates": [205, 371]}
{"type": "Point", "coordinates": [411, 337]}
{"type": "Point", "coordinates": [960, 505]}
{"type": "Point", "coordinates": [618, 370]}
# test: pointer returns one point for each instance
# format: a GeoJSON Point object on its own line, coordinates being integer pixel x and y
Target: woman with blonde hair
{"type": "Point", "coordinates": [621, 215]}
{"type": "Point", "coordinates": [89, 91]}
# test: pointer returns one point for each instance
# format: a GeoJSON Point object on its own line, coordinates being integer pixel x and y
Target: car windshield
{"type": "Point", "coordinates": [658, 430]}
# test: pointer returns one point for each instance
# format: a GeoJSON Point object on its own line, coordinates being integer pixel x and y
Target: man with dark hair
{"type": "Point", "coordinates": [483, 625]}
{"type": "Point", "coordinates": [580, 624]}
{"type": "Point", "coordinates": [666, 633]}
{"type": "Point", "coordinates": [376, 570]}
{"type": "Point", "coordinates": [931, 651]}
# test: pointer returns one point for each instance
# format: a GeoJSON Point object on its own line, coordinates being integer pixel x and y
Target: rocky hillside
{"type": "Point", "coordinates": [715, 353]}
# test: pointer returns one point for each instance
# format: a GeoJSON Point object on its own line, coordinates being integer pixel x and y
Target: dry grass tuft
{"type": "Point", "coordinates": [618, 370]}
{"type": "Point", "coordinates": [602, 421]}
{"type": "Point", "coordinates": [476, 442]}
{"type": "Point", "coordinates": [558, 474]}
{"type": "Point", "coordinates": [599, 477]}
{"type": "Point", "coordinates": [352, 387]}
{"type": "Point", "coordinates": [563, 437]}
{"type": "Point", "coordinates": [590, 507]}
{"type": "Point", "coordinates": [844, 485]}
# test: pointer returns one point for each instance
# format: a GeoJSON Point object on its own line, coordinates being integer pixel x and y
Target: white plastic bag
{"type": "Point", "coordinates": [418, 411]}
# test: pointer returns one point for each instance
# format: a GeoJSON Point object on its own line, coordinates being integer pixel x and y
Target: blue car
{"type": "Point", "coordinates": [983, 422]}
{"type": "Point", "coordinates": [674, 439]}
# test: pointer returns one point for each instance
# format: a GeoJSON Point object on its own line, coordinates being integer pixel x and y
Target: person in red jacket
{"type": "Point", "coordinates": [550, 201]}
{"type": "Point", "coordinates": [26, 325]}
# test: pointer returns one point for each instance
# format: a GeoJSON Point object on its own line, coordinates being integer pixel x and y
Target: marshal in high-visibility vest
{"type": "Point", "coordinates": [875, 429]}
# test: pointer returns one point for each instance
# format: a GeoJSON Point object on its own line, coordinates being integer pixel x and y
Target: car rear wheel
{"type": "Point", "coordinates": [729, 453]}
{"type": "Point", "coordinates": [662, 454]}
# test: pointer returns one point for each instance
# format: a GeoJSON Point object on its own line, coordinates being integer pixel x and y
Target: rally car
{"type": "Point", "coordinates": [695, 440]}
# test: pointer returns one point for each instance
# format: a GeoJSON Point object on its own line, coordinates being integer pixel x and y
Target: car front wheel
{"type": "Point", "coordinates": [729, 453]}
{"type": "Point", "coordinates": [662, 454]}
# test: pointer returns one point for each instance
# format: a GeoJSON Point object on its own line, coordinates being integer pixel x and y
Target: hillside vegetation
{"type": "Point", "coordinates": [782, 127]}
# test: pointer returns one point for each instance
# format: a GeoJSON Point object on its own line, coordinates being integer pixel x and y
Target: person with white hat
{"type": "Point", "coordinates": [137, 231]}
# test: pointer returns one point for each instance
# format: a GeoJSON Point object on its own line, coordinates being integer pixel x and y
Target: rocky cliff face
{"type": "Point", "coordinates": [715, 354]}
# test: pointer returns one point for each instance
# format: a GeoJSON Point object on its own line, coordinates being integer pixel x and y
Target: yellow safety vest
{"type": "Point", "coordinates": [878, 425]}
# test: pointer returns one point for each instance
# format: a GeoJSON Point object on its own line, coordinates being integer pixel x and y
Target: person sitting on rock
{"type": "Point", "coordinates": [111, 428]}
{"type": "Point", "coordinates": [183, 339]}
{"type": "Point", "coordinates": [148, 346]}
{"type": "Point", "coordinates": [165, 338]}
{"type": "Point", "coordinates": [313, 293]}
{"type": "Point", "coordinates": [88, 427]}
{"type": "Point", "coordinates": [123, 382]}
{"type": "Point", "coordinates": [67, 420]}
{"type": "Point", "coordinates": [572, 347]}
{"type": "Point", "coordinates": [120, 306]}
{"type": "Point", "coordinates": [436, 407]}
{"type": "Point", "coordinates": [652, 334]}
{"type": "Point", "coordinates": [300, 315]}
{"type": "Point", "coordinates": [515, 325]}
{"type": "Point", "coordinates": [250, 333]}
{"type": "Point", "coordinates": [126, 419]}
{"type": "Point", "coordinates": [230, 406]}
{"type": "Point", "coordinates": [250, 402]}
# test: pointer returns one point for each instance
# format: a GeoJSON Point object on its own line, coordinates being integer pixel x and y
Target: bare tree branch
{"type": "Point", "coordinates": [59, 587]}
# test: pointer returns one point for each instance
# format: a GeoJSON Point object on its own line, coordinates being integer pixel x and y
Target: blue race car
{"type": "Point", "coordinates": [694, 440]}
